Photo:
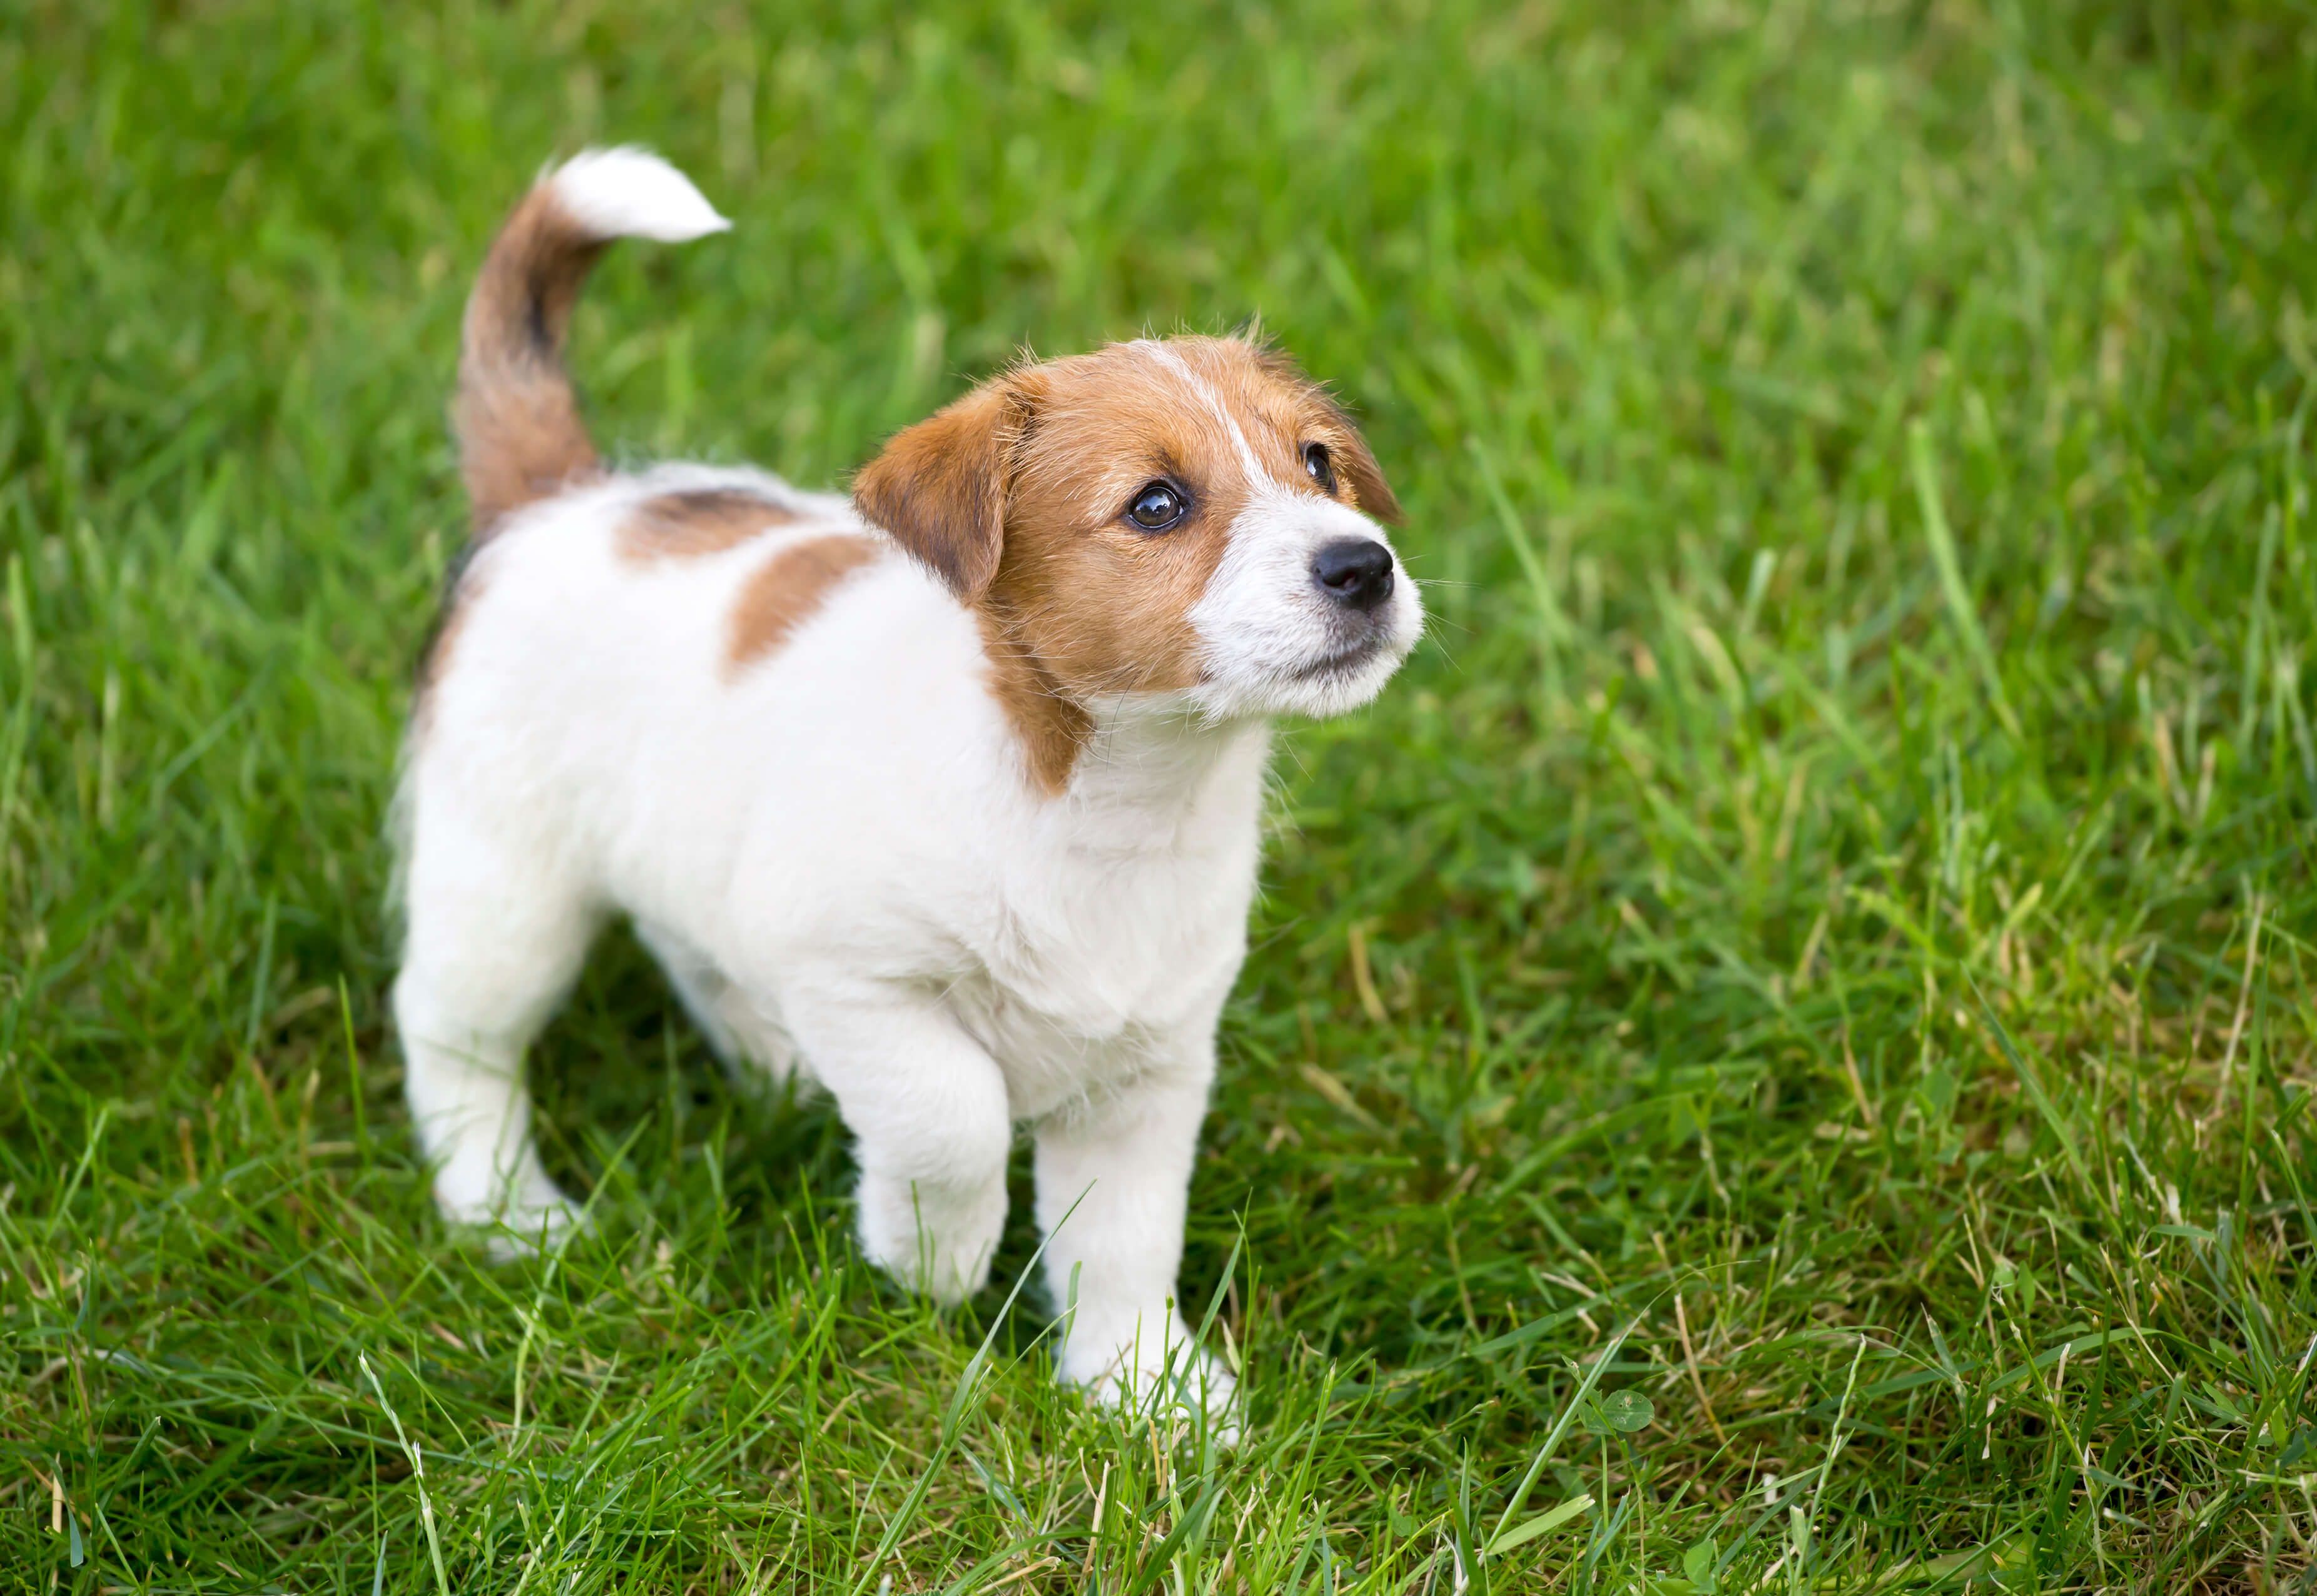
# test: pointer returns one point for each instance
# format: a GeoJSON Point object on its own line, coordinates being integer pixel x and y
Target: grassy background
{"type": "Point", "coordinates": [1831, 906]}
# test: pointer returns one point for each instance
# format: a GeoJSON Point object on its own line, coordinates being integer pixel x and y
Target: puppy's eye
{"type": "Point", "coordinates": [1319, 466]}
{"type": "Point", "coordinates": [1156, 506]}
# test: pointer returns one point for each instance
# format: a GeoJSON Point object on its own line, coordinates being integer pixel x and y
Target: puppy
{"type": "Point", "coordinates": [944, 797]}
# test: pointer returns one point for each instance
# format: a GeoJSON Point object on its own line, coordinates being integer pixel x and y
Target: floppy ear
{"type": "Point", "coordinates": [940, 487]}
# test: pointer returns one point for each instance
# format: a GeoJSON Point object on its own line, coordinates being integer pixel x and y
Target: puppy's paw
{"type": "Point", "coordinates": [941, 1248]}
{"type": "Point", "coordinates": [930, 1271]}
{"type": "Point", "coordinates": [1159, 1376]}
{"type": "Point", "coordinates": [525, 1217]}
{"type": "Point", "coordinates": [534, 1231]}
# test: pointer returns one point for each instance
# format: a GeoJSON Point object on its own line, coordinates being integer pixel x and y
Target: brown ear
{"type": "Point", "coordinates": [940, 487]}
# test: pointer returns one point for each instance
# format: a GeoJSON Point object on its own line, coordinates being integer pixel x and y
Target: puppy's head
{"type": "Point", "coordinates": [1192, 517]}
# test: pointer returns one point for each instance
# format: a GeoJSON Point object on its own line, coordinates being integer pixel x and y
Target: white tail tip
{"type": "Point", "coordinates": [629, 193]}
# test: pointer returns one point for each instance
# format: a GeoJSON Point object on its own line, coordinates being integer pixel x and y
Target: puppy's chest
{"type": "Point", "coordinates": [1087, 982]}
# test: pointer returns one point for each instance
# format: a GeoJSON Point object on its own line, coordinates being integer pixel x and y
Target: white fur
{"type": "Point", "coordinates": [629, 193]}
{"type": "Point", "coordinates": [1271, 642]}
{"type": "Point", "coordinates": [839, 856]}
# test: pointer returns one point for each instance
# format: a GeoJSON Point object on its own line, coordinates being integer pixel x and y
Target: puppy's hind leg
{"type": "Point", "coordinates": [700, 987]}
{"type": "Point", "coordinates": [496, 935]}
{"type": "Point", "coordinates": [754, 1050]}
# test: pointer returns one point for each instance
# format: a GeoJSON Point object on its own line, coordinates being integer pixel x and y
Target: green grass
{"type": "Point", "coordinates": [1784, 1045]}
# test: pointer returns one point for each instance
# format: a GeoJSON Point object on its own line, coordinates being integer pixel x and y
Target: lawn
{"type": "Point", "coordinates": [1777, 1058]}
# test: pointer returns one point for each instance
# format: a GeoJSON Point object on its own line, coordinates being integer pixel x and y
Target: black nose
{"type": "Point", "coordinates": [1354, 572]}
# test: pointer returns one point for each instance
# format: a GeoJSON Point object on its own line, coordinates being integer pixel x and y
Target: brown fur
{"type": "Point", "coordinates": [939, 488]}
{"type": "Point", "coordinates": [1015, 497]}
{"type": "Point", "coordinates": [788, 590]}
{"type": "Point", "coordinates": [1355, 462]}
{"type": "Point", "coordinates": [520, 434]}
{"type": "Point", "coordinates": [707, 521]}
{"type": "Point", "coordinates": [1052, 727]}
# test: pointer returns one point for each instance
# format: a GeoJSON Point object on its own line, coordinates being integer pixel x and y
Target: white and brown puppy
{"type": "Point", "coordinates": [945, 796]}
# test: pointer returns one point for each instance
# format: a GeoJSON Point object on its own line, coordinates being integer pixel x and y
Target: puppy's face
{"type": "Point", "coordinates": [1191, 517]}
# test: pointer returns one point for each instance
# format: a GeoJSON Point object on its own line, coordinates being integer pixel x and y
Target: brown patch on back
{"type": "Point", "coordinates": [704, 521]}
{"type": "Point", "coordinates": [789, 590]}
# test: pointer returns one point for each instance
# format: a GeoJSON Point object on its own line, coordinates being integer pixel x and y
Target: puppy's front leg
{"type": "Point", "coordinates": [1112, 1182]}
{"type": "Point", "coordinates": [928, 1109]}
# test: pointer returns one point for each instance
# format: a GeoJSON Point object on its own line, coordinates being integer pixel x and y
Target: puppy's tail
{"type": "Point", "coordinates": [517, 421]}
